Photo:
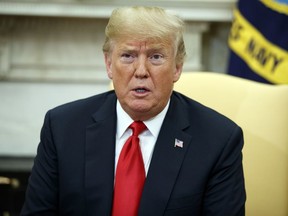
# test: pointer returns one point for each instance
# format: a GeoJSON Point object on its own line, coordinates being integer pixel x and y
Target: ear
{"type": "Point", "coordinates": [177, 72]}
{"type": "Point", "coordinates": [108, 63]}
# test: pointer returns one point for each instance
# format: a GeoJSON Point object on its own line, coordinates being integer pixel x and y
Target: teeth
{"type": "Point", "coordinates": [140, 90]}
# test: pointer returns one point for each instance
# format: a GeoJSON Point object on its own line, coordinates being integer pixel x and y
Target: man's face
{"type": "Point", "coordinates": [143, 74]}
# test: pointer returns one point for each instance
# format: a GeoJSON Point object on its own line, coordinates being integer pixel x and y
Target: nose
{"type": "Point", "coordinates": [141, 69]}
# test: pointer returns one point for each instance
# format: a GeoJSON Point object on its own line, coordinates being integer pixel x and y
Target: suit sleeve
{"type": "Point", "coordinates": [225, 193]}
{"type": "Point", "coordinates": [42, 191]}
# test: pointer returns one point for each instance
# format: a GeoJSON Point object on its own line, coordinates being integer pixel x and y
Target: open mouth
{"type": "Point", "coordinates": [141, 90]}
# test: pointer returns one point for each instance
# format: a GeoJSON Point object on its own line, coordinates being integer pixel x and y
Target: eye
{"type": "Point", "coordinates": [157, 59]}
{"type": "Point", "coordinates": [127, 58]}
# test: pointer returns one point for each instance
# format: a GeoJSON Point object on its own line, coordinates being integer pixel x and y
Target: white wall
{"type": "Point", "coordinates": [22, 110]}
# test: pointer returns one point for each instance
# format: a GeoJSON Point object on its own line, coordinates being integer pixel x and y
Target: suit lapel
{"type": "Point", "coordinates": [166, 161]}
{"type": "Point", "coordinates": [100, 157]}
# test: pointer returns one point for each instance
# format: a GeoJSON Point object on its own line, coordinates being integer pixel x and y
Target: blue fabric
{"type": "Point", "coordinates": [270, 23]}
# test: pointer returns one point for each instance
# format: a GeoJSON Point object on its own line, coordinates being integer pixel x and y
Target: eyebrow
{"type": "Point", "coordinates": [154, 48]}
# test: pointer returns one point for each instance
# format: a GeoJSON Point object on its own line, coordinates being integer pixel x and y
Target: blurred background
{"type": "Point", "coordinates": [51, 53]}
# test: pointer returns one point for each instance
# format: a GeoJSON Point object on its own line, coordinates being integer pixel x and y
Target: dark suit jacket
{"type": "Point", "coordinates": [73, 173]}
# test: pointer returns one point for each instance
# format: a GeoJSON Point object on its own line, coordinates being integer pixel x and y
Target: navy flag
{"type": "Point", "coordinates": [258, 41]}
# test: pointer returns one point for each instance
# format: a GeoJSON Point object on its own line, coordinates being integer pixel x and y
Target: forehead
{"type": "Point", "coordinates": [130, 44]}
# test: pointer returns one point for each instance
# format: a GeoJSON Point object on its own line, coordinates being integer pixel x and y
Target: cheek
{"type": "Point", "coordinates": [121, 77]}
{"type": "Point", "coordinates": [123, 70]}
{"type": "Point", "coordinates": [164, 82]}
{"type": "Point", "coordinates": [168, 76]}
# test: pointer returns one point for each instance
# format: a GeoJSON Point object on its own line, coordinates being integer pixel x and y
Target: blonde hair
{"type": "Point", "coordinates": [144, 23]}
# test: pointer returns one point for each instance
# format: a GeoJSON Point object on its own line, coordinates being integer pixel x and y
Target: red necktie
{"type": "Point", "coordinates": [130, 175]}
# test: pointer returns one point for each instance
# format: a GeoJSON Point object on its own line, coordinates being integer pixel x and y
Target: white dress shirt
{"type": "Point", "coordinates": [147, 138]}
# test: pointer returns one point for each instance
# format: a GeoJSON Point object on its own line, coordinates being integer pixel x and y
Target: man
{"type": "Point", "coordinates": [190, 160]}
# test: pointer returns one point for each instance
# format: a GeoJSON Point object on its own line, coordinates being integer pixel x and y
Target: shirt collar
{"type": "Point", "coordinates": [124, 120]}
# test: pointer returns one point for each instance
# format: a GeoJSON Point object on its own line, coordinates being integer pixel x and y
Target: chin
{"type": "Point", "coordinates": [140, 109]}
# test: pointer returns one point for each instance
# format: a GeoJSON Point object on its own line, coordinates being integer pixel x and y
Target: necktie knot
{"type": "Point", "coordinates": [137, 127]}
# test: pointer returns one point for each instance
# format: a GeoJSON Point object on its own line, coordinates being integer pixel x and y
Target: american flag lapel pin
{"type": "Point", "coordinates": [178, 143]}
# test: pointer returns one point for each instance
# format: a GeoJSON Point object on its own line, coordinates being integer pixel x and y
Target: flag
{"type": "Point", "coordinates": [258, 41]}
{"type": "Point", "coordinates": [178, 143]}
